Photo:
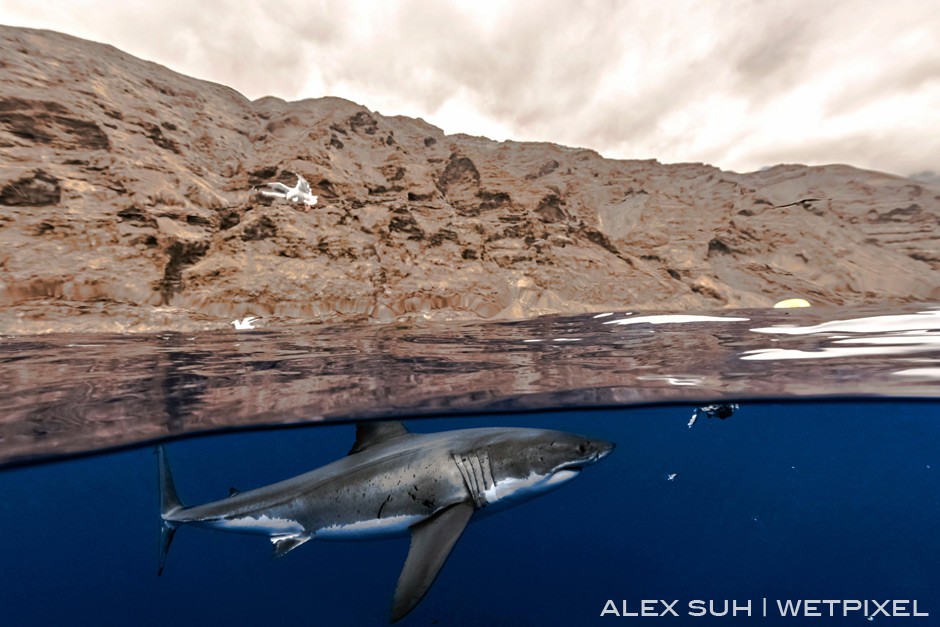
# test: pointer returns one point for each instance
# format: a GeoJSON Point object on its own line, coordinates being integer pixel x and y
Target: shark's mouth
{"type": "Point", "coordinates": [581, 464]}
{"type": "Point", "coordinates": [566, 471]}
{"type": "Point", "coordinates": [595, 457]}
{"type": "Point", "coordinates": [562, 475]}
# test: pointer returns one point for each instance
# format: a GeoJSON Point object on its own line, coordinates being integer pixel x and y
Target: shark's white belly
{"type": "Point", "coordinates": [278, 527]}
{"type": "Point", "coordinates": [371, 528]}
{"type": "Point", "coordinates": [262, 525]}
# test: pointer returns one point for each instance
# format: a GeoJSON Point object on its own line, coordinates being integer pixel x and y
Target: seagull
{"type": "Point", "coordinates": [244, 323]}
{"type": "Point", "coordinates": [299, 193]}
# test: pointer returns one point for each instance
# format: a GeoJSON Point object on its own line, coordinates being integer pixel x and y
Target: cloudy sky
{"type": "Point", "coordinates": [738, 84]}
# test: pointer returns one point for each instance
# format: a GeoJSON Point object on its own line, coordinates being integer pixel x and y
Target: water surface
{"type": "Point", "coordinates": [66, 393]}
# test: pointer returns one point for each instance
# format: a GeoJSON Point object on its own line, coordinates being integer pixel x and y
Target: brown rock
{"type": "Point", "coordinates": [128, 202]}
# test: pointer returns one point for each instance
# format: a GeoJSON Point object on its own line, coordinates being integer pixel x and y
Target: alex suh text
{"type": "Point", "coordinates": [869, 608]}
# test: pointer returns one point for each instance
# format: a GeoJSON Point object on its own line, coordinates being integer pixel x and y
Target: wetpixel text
{"type": "Point", "coordinates": [794, 608]}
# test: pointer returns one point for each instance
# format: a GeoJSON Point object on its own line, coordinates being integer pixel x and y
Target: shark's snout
{"type": "Point", "coordinates": [602, 449]}
{"type": "Point", "coordinates": [589, 452]}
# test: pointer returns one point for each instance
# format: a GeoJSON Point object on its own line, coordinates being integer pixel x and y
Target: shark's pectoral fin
{"type": "Point", "coordinates": [431, 542]}
{"type": "Point", "coordinates": [285, 544]}
{"type": "Point", "coordinates": [372, 433]}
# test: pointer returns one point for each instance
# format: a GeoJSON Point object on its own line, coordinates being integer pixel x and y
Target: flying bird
{"type": "Point", "coordinates": [245, 323]}
{"type": "Point", "coordinates": [299, 193]}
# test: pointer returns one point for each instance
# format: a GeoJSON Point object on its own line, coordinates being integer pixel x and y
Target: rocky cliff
{"type": "Point", "coordinates": [128, 201]}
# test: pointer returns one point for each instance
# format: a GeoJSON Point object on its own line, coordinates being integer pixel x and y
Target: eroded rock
{"type": "Point", "coordinates": [35, 190]}
{"type": "Point", "coordinates": [143, 192]}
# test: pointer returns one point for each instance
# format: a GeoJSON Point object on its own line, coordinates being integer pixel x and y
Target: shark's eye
{"type": "Point", "coordinates": [581, 448]}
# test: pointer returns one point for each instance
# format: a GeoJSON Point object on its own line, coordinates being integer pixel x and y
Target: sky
{"type": "Point", "coordinates": [737, 84]}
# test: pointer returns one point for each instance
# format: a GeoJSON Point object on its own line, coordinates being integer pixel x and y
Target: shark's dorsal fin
{"type": "Point", "coordinates": [431, 542]}
{"type": "Point", "coordinates": [233, 491]}
{"type": "Point", "coordinates": [372, 433]}
{"type": "Point", "coordinates": [285, 544]}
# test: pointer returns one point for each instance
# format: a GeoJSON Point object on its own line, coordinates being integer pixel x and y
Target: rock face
{"type": "Point", "coordinates": [128, 201]}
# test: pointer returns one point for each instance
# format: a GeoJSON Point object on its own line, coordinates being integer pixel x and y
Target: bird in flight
{"type": "Point", "coordinates": [297, 194]}
{"type": "Point", "coordinates": [245, 323]}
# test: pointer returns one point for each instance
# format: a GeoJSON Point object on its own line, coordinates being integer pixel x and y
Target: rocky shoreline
{"type": "Point", "coordinates": [128, 202]}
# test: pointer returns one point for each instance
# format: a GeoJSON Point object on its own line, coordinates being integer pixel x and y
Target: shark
{"type": "Point", "coordinates": [394, 483]}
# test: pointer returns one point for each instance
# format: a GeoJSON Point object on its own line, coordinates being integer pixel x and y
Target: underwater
{"type": "Point", "coordinates": [771, 466]}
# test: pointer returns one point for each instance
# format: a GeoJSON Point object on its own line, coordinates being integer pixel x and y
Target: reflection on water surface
{"type": "Point", "coordinates": [63, 394]}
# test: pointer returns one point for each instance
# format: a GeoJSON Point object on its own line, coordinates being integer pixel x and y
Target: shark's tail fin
{"type": "Point", "coordinates": [169, 504]}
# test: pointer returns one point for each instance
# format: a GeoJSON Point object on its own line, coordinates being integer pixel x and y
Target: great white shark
{"type": "Point", "coordinates": [395, 483]}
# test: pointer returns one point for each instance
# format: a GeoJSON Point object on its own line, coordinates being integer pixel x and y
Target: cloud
{"type": "Point", "coordinates": [739, 84]}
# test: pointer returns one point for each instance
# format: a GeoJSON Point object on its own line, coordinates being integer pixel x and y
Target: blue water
{"type": "Point", "coordinates": [824, 500]}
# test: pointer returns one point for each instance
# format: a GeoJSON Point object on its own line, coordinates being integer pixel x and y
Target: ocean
{"type": "Point", "coordinates": [819, 492]}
